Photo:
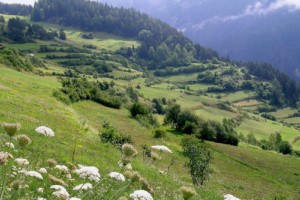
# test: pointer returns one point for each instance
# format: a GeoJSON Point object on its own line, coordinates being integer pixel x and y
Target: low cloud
{"type": "Point", "coordinates": [257, 9]}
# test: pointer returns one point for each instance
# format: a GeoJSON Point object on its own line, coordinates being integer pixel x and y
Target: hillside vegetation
{"type": "Point", "coordinates": [97, 93]}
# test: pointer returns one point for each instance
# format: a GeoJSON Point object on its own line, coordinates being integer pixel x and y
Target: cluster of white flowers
{"type": "Point", "coordinates": [10, 145]}
{"type": "Point", "coordinates": [43, 170]}
{"type": "Point", "coordinates": [89, 172]}
{"type": "Point", "coordinates": [128, 166]}
{"type": "Point", "coordinates": [85, 186]}
{"type": "Point", "coordinates": [74, 198]}
{"type": "Point", "coordinates": [40, 198]}
{"type": "Point", "coordinates": [60, 192]}
{"type": "Point", "coordinates": [161, 148]}
{"type": "Point", "coordinates": [141, 195]}
{"type": "Point", "coordinates": [62, 168]}
{"type": "Point", "coordinates": [117, 176]}
{"type": "Point", "coordinates": [230, 197]}
{"type": "Point", "coordinates": [40, 190]}
{"type": "Point", "coordinates": [34, 174]}
{"type": "Point", "coordinates": [22, 161]}
{"type": "Point", "coordinates": [45, 131]}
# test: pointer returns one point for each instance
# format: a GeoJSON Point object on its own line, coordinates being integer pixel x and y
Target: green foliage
{"type": "Point", "coordinates": [77, 89]}
{"type": "Point", "coordinates": [268, 116]}
{"type": "Point", "coordinates": [62, 35]}
{"type": "Point", "coordinates": [284, 147]}
{"type": "Point", "coordinates": [109, 134]}
{"type": "Point", "coordinates": [138, 109]}
{"type": "Point", "coordinates": [221, 133]}
{"type": "Point", "coordinates": [16, 30]}
{"type": "Point", "coordinates": [160, 133]}
{"type": "Point", "coordinates": [199, 159]}
{"type": "Point", "coordinates": [14, 59]}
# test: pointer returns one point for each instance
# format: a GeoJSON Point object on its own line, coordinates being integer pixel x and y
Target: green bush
{"type": "Point", "coordinates": [284, 147]}
{"type": "Point", "coordinates": [138, 109]}
{"type": "Point", "coordinates": [110, 135]}
{"type": "Point", "coordinates": [160, 133]}
{"type": "Point", "coordinates": [199, 159]}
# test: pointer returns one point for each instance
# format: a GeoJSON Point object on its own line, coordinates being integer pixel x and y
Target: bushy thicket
{"type": "Point", "coordinates": [109, 134]}
{"type": "Point", "coordinates": [274, 142]}
{"type": "Point", "coordinates": [189, 123]}
{"type": "Point", "coordinates": [77, 89]}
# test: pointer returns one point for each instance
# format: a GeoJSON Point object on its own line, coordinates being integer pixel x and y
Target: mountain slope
{"type": "Point", "coordinates": [243, 30]}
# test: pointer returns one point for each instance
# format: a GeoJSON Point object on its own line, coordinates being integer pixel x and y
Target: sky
{"type": "Point", "coordinates": [19, 1]}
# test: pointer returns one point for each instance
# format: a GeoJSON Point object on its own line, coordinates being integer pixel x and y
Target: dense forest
{"type": "Point", "coordinates": [161, 44]}
{"type": "Point", "coordinates": [15, 9]}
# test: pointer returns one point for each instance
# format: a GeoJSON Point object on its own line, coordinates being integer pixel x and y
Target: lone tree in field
{"type": "Point", "coordinates": [199, 159]}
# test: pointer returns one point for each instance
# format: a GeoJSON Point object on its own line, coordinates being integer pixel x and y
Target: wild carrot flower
{"type": "Point", "coordinates": [89, 172]}
{"type": "Point", "coordinates": [40, 190]}
{"type": "Point", "coordinates": [161, 148]}
{"type": "Point", "coordinates": [16, 185]}
{"type": "Point", "coordinates": [62, 168]}
{"type": "Point", "coordinates": [3, 157]}
{"type": "Point", "coordinates": [141, 195]}
{"type": "Point", "coordinates": [85, 186]}
{"type": "Point", "coordinates": [45, 131]}
{"type": "Point", "coordinates": [22, 161]}
{"type": "Point", "coordinates": [23, 140]}
{"type": "Point", "coordinates": [117, 176]}
{"type": "Point", "coordinates": [10, 145]}
{"type": "Point", "coordinates": [60, 192]}
{"type": "Point", "coordinates": [129, 150]}
{"type": "Point", "coordinates": [52, 162]}
{"type": "Point", "coordinates": [187, 192]}
{"type": "Point", "coordinates": [11, 129]}
{"type": "Point", "coordinates": [34, 174]}
{"type": "Point", "coordinates": [230, 197]}
{"type": "Point", "coordinates": [43, 170]}
{"type": "Point", "coordinates": [56, 181]}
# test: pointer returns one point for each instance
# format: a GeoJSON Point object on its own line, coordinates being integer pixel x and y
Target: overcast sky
{"type": "Point", "coordinates": [18, 1]}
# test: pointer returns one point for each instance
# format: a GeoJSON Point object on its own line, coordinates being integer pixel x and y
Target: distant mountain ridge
{"type": "Point", "coordinates": [244, 30]}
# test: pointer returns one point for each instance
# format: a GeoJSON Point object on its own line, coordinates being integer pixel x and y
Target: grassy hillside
{"type": "Point", "coordinates": [245, 171]}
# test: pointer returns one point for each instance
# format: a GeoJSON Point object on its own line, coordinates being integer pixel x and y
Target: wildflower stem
{"type": "Point", "coordinates": [5, 177]}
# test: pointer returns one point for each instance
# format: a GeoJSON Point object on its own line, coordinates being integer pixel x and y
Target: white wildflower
{"type": "Point", "coordinates": [74, 198]}
{"type": "Point", "coordinates": [43, 170]}
{"type": "Point", "coordinates": [62, 168]}
{"type": "Point", "coordinates": [34, 174]}
{"type": "Point", "coordinates": [161, 148]}
{"type": "Point", "coordinates": [141, 195]}
{"type": "Point", "coordinates": [22, 171]}
{"type": "Point", "coordinates": [117, 176]}
{"type": "Point", "coordinates": [10, 145]}
{"type": "Point", "coordinates": [40, 198]}
{"type": "Point", "coordinates": [40, 190]}
{"type": "Point", "coordinates": [60, 192]}
{"type": "Point", "coordinates": [69, 176]}
{"type": "Point", "coordinates": [45, 131]}
{"type": "Point", "coordinates": [85, 186]}
{"type": "Point", "coordinates": [89, 172]}
{"type": "Point", "coordinates": [230, 197]}
{"type": "Point", "coordinates": [128, 166]}
{"type": "Point", "coordinates": [22, 161]}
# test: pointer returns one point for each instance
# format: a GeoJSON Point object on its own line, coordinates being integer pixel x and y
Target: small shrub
{"type": "Point", "coordinates": [138, 109]}
{"type": "Point", "coordinates": [159, 133]}
{"type": "Point", "coordinates": [284, 147]}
